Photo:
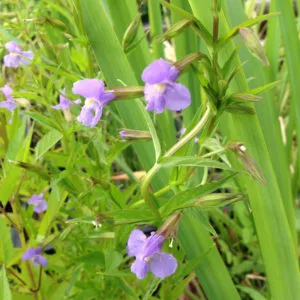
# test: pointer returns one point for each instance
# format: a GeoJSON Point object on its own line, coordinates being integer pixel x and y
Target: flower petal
{"type": "Point", "coordinates": [40, 260]}
{"type": "Point", "coordinates": [6, 90]}
{"type": "Point", "coordinates": [12, 47]}
{"type": "Point", "coordinates": [88, 88]}
{"type": "Point", "coordinates": [31, 252]}
{"type": "Point", "coordinates": [163, 264]}
{"type": "Point", "coordinates": [106, 97]}
{"type": "Point", "coordinates": [26, 57]}
{"type": "Point", "coordinates": [11, 60]}
{"type": "Point", "coordinates": [64, 103]}
{"type": "Point", "coordinates": [155, 98]}
{"type": "Point", "coordinates": [41, 206]}
{"type": "Point", "coordinates": [140, 268]}
{"type": "Point", "coordinates": [157, 72]}
{"type": "Point", "coordinates": [8, 104]}
{"type": "Point", "coordinates": [35, 199]}
{"type": "Point", "coordinates": [177, 96]}
{"type": "Point", "coordinates": [136, 242]}
{"type": "Point", "coordinates": [90, 115]}
{"type": "Point", "coordinates": [153, 244]}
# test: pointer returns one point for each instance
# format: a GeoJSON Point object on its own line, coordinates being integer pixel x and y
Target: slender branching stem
{"type": "Point", "coordinates": [147, 179]}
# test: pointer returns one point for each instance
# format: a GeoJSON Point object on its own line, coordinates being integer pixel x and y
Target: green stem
{"type": "Point", "coordinates": [146, 182]}
{"type": "Point", "coordinates": [191, 134]}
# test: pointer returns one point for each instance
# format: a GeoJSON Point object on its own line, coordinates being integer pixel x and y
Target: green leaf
{"type": "Point", "coordinates": [234, 31]}
{"type": "Point", "coordinates": [6, 246]}
{"type": "Point", "coordinates": [255, 295]}
{"type": "Point", "coordinates": [112, 260]}
{"type": "Point", "coordinates": [264, 88]}
{"type": "Point", "coordinates": [192, 161]}
{"type": "Point", "coordinates": [132, 215]}
{"type": "Point", "coordinates": [187, 196]}
{"type": "Point", "coordinates": [5, 292]}
{"type": "Point", "coordinates": [45, 121]}
{"type": "Point", "coordinates": [94, 258]}
{"type": "Point", "coordinates": [47, 142]}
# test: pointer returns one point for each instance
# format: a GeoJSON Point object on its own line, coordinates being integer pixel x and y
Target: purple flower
{"type": "Point", "coordinates": [38, 202]}
{"type": "Point", "coordinates": [34, 254]}
{"type": "Point", "coordinates": [95, 99]}
{"type": "Point", "coordinates": [9, 104]}
{"type": "Point", "coordinates": [148, 254]}
{"type": "Point", "coordinates": [16, 56]}
{"type": "Point", "coordinates": [161, 90]}
{"type": "Point", "coordinates": [65, 103]}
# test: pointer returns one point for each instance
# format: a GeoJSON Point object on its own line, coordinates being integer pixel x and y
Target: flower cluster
{"type": "Point", "coordinates": [161, 92]}
{"type": "Point", "coordinates": [148, 254]}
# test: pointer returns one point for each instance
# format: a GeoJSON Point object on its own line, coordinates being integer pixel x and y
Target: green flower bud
{"type": "Point", "coordinates": [128, 41]}
{"type": "Point", "coordinates": [254, 45]}
{"type": "Point", "coordinates": [129, 135]}
{"type": "Point", "coordinates": [127, 92]}
{"type": "Point", "coordinates": [218, 200]}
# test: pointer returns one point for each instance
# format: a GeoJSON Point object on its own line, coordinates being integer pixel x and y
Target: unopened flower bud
{"type": "Point", "coordinates": [129, 135]}
{"type": "Point", "coordinates": [247, 161]}
{"type": "Point", "coordinates": [127, 92]}
{"type": "Point", "coordinates": [254, 45]}
{"type": "Point", "coordinates": [218, 200]}
{"type": "Point", "coordinates": [186, 61]}
{"type": "Point", "coordinates": [245, 97]}
{"type": "Point", "coordinates": [128, 41]}
{"type": "Point", "coordinates": [23, 102]}
{"type": "Point", "coordinates": [174, 30]}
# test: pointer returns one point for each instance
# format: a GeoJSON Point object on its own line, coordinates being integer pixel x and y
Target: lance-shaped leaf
{"type": "Point", "coordinates": [249, 23]}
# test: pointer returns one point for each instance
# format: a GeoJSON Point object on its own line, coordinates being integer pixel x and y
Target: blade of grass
{"type": "Point", "coordinates": [212, 272]}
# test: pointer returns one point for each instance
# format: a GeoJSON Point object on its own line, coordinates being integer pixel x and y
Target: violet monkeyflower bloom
{"type": "Point", "coordinates": [16, 56]}
{"type": "Point", "coordinates": [64, 103]}
{"type": "Point", "coordinates": [34, 254]}
{"type": "Point", "coordinates": [9, 103]}
{"type": "Point", "coordinates": [161, 90]}
{"type": "Point", "coordinates": [148, 254]}
{"type": "Point", "coordinates": [95, 99]}
{"type": "Point", "coordinates": [38, 203]}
